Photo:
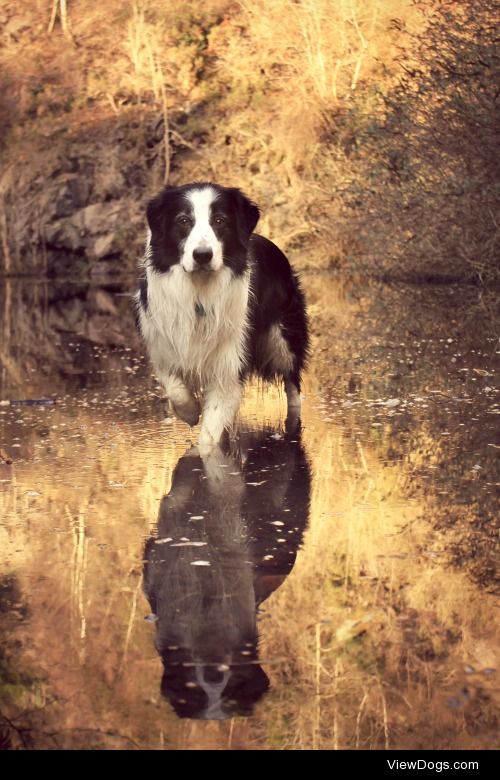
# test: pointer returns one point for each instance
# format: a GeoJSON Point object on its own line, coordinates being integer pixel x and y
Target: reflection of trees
{"type": "Point", "coordinates": [228, 534]}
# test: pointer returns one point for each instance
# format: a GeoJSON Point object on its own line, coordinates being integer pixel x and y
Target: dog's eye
{"type": "Point", "coordinates": [183, 220]}
{"type": "Point", "coordinates": [219, 219]}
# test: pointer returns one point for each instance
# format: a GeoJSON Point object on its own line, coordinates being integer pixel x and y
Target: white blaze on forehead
{"type": "Point", "coordinates": [202, 235]}
{"type": "Point", "coordinates": [201, 202]}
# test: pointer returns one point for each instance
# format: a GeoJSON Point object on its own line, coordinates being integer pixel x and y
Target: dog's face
{"type": "Point", "coordinates": [202, 227]}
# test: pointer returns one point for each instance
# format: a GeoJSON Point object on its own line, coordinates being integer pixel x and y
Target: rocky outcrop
{"type": "Point", "coordinates": [93, 230]}
{"type": "Point", "coordinates": [77, 207]}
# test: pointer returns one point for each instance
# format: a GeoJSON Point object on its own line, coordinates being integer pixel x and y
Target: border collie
{"type": "Point", "coordinates": [217, 303]}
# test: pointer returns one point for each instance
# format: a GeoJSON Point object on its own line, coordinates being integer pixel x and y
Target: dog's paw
{"type": "Point", "coordinates": [206, 443]}
{"type": "Point", "coordinates": [189, 411]}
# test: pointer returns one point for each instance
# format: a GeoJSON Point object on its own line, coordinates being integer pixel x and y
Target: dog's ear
{"type": "Point", "coordinates": [248, 214]}
{"type": "Point", "coordinates": [156, 212]}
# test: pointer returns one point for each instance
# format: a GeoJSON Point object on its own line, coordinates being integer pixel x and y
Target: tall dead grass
{"type": "Point", "coordinates": [285, 70]}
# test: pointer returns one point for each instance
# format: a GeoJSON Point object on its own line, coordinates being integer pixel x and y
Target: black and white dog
{"type": "Point", "coordinates": [217, 303]}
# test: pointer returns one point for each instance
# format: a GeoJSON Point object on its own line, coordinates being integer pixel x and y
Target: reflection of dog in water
{"type": "Point", "coordinates": [228, 533]}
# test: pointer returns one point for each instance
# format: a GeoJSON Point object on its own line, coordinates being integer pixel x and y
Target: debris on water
{"type": "Point", "coordinates": [200, 563]}
{"type": "Point", "coordinates": [392, 402]}
{"type": "Point", "coordinates": [32, 493]}
{"type": "Point", "coordinates": [28, 402]}
{"type": "Point", "coordinates": [257, 484]}
{"type": "Point", "coordinates": [196, 517]}
{"type": "Point", "coordinates": [164, 540]}
{"type": "Point", "coordinates": [189, 544]}
{"type": "Point", "coordinates": [114, 484]}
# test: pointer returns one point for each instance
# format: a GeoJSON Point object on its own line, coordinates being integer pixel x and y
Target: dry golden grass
{"type": "Point", "coordinates": [269, 77]}
{"type": "Point", "coordinates": [288, 100]}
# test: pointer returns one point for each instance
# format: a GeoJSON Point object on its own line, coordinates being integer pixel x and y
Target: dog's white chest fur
{"type": "Point", "coordinates": [196, 324]}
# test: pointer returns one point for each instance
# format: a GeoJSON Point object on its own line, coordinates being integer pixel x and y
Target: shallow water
{"type": "Point", "coordinates": [329, 585]}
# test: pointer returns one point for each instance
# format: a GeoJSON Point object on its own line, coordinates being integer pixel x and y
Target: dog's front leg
{"type": "Point", "coordinates": [219, 410]}
{"type": "Point", "coordinates": [184, 404]}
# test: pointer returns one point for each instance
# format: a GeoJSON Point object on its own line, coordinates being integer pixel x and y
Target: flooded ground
{"type": "Point", "coordinates": [326, 586]}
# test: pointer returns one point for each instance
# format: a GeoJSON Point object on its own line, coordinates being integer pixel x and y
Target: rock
{"type": "Point", "coordinates": [66, 264]}
{"type": "Point", "coordinates": [105, 245]}
{"type": "Point", "coordinates": [63, 235]}
{"type": "Point", "coordinates": [71, 195]}
{"type": "Point", "coordinates": [98, 217]}
{"type": "Point", "coordinates": [77, 233]}
{"type": "Point", "coordinates": [111, 182]}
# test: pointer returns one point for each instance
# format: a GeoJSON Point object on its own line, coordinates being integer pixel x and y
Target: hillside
{"type": "Point", "coordinates": [365, 131]}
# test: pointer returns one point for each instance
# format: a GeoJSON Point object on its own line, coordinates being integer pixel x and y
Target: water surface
{"type": "Point", "coordinates": [325, 585]}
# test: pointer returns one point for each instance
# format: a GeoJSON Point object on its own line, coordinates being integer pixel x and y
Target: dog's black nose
{"type": "Point", "coordinates": [203, 256]}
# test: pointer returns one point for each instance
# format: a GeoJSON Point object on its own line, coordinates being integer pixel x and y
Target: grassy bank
{"type": "Point", "coordinates": [366, 131]}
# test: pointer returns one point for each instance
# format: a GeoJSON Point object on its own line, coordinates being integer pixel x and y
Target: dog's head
{"type": "Point", "coordinates": [202, 227]}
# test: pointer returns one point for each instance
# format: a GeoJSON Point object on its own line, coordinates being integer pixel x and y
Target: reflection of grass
{"type": "Point", "coordinates": [365, 640]}
{"type": "Point", "coordinates": [369, 655]}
